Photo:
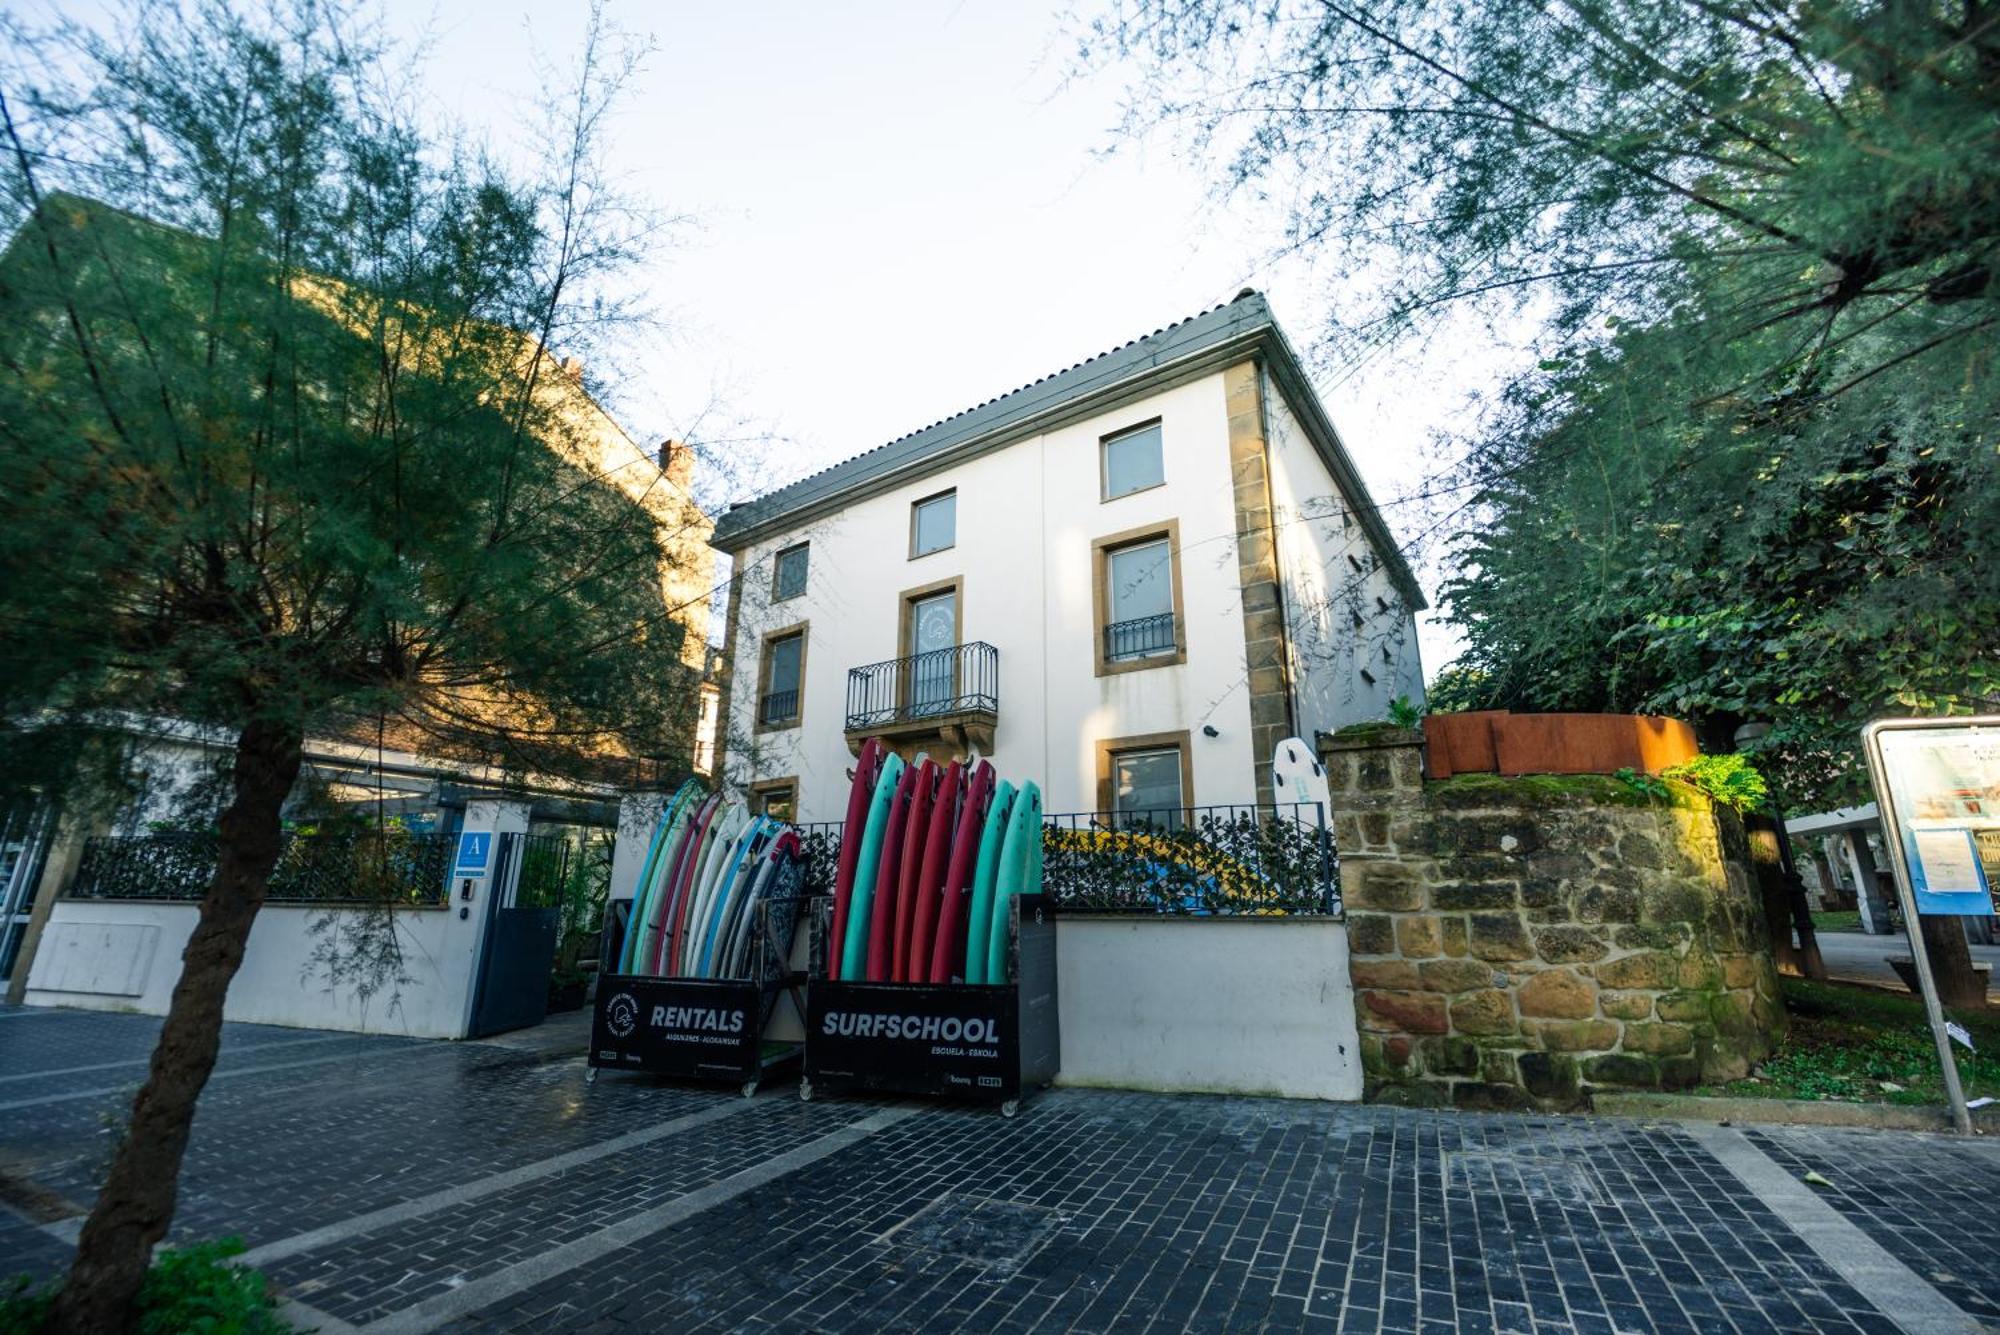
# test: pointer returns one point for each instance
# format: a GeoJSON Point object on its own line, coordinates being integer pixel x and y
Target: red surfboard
{"type": "Point", "coordinates": [684, 889]}
{"type": "Point", "coordinates": [867, 768]}
{"type": "Point", "coordinates": [903, 817]}
{"type": "Point", "coordinates": [913, 937]}
{"type": "Point", "coordinates": [947, 943]}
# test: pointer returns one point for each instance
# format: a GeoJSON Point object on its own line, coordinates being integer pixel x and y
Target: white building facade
{"type": "Point", "coordinates": [1126, 581]}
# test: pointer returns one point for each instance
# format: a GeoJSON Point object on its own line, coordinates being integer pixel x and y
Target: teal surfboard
{"type": "Point", "coordinates": [645, 891]}
{"type": "Point", "coordinates": [666, 872]}
{"type": "Point", "coordinates": [734, 881]}
{"type": "Point", "coordinates": [853, 962]}
{"type": "Point", "coordinates": [979, 914]}
{"type": "Point", "coordinates": [634, 919]}
{"type": "Point", "coordinates": [720, 855]}
{"type": "Point", "coordinates": [1020, 873]}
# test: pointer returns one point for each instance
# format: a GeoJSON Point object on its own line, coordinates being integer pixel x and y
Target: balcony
{"type": "Point", "coordinates": [950, 697]}
{"type": "Point", "coordinates": [1142, 637]}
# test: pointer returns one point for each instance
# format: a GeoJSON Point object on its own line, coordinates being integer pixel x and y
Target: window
{"type": "Point", "coordinates": [776, 798]}
{"type": "Point", "coordinates": [781, 679]}
{"type": "Point", "coordinates": [1132, 461]}
{"type": "Point", "coordinates": [1139, 600]}
{"type": "Point", "coordinates": [788, 573]}
{"type": "Point", "coordinates": [930, 642]}
{"type": "Point", "coordinates": [1144, 780]}
{"type": "Point", "coordinates": [934, 524]}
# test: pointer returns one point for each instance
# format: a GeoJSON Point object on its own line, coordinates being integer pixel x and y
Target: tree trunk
{"type": "Point", "coordinates": [137, 1201]}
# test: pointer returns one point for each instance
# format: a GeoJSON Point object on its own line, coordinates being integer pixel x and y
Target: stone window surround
{"type": "Point", "coordinates": [801, 630]}
{"type": "Point", "coordinates": [1109, 747]}
{"type": "Point", "coordinates": [1100, 596]}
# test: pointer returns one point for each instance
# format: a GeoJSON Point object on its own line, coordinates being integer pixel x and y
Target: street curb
{"type": "Point", "coordinates": [1786, 1112]}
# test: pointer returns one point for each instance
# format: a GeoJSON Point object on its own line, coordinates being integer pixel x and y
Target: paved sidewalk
{"type": "Point", "coordinates": [391, 1185]}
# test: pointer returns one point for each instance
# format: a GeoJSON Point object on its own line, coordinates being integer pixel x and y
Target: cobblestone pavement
{"type": "Point", "coordinates": [391, 1185]}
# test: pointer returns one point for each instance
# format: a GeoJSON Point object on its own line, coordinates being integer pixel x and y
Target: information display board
{"type": "Point", "coordinates": [1941, 783]}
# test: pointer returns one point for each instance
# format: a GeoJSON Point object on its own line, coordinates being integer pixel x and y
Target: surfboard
{"type": "Point", "coordinates": [979, 911]}
{"type": "Point", "coordinates": [741, 862]}
{"type": "Point", "coordinates": [1020, 868]}
{"type": "Point", "coordinates": [853, 958]}
{"type": "Point", "coordinates": [892, 916]}
{"type": "Point", "coordinates": [659, 895]}
{"type": "Point", "coordinates": [917, 917]}
{"type": "Point", "coordinates": [743, 910]}
{"type": "Point", "coordinates": [688, 803]}
{"type": "Point", "coordinates": [715, 870]}
{"type": "Point", "coordinates": [635, 916]}
{"type": "Point", "coordinates": [674, 897]}
{"type": "Point", "coordinates": [1298, 779]}
{"type": "Point", "coordinates": [694, 884]}
{"type": "Point", "coordinates": [867, 767]}
{"type": "Point", "coordinates": [921, 781]}
{"type": "Point", "coordinates": [943, 955]}
{"type": "Point", "coordinates": [777, 894]}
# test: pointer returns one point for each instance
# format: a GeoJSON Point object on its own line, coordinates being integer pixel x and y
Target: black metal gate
{"type": "Point", "coordinates": [522, 920]}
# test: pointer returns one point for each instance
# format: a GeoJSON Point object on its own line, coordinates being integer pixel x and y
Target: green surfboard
{"type": "Point", "coordinates": [645, 891]}
{"type": "Point", "coordinates": [853, 962]}
{"type": "Point", "coordinates": [979, 913]}
{"type": "Point", "coordinates": [1020, 873]}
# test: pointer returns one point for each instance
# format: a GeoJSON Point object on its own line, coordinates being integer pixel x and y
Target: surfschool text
{"type": "Point", "coordinates": [928, 1028]}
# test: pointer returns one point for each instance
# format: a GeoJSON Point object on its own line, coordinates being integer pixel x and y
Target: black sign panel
{"type": "Point", "coordinates": [914, 1038]}
{"type": "Point", "coordinates": [678, 1026]}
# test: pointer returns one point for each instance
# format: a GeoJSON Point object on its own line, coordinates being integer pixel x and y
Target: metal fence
{"type": "Point", "coordinates": [1192, 861]}
{"type": "Point", "coordinates": [366, 867]}
{"type": "Point", "coordinates": [1178, 861]}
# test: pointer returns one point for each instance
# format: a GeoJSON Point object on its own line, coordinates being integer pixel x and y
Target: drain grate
{"type": "Point", "coordinates": [995, 1234]}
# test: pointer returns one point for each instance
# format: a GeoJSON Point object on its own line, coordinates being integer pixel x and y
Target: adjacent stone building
{"type": "Point", "coordinates": [1523, 941]}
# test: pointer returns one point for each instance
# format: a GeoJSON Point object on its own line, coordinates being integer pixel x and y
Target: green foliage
{"type": "Point", "coordinates": [1846, 1041]}
{"type": "Point", "coordinates": [1641, 782]}
{"type": "Point", "coordinates": [1754, 474]}
{"type": "Point", "coordinates": [1404, 714]}
{"type": "Point", "coordinates": [284, 434]}
{"type": "Point", "coordinates": [1730, 780]}
{"type": "Point", "coordinates": [189, 1289]}
{"type": "Point", "coordinates": [1457, 689]}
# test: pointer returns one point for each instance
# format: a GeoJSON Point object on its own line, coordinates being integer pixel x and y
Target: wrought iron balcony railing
{"type": "Point", "coordinates": [1141, 637]}
{"type": "Point", "coordinates": [938, 684]}
{"type": "Point", "coordinates": [778, 707]}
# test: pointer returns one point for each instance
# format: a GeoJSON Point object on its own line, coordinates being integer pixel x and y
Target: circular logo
{"type": "Point", "coordinates": [621, 1017]}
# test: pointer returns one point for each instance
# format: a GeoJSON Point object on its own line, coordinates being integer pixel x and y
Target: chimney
{"type": "Point", "coordinates": [573, 365]}
{"type": "Point", "coordinates": [677, 462]}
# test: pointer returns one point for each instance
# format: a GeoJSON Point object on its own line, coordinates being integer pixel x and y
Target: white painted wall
{"type": "Point", "coordinates": [1317, 533]}
{"type": "Point", "coordinates": [1027, 516]}
{"type": "Point", "coordinates": [1220, 1005]}
{"type": "Point", "coordinates": [126, 955]}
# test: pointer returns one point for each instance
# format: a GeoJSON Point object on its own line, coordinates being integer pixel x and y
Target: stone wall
{"type": "Point", "coordinates": [1520, 942]}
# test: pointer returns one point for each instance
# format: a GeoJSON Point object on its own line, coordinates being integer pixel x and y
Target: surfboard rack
{"type": "Point", "coordinates": [979, 1043]}
{"type": "Point", "coordinates": [703, 1028]}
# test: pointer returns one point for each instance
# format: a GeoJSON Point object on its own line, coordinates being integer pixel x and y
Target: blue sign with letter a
{"type": "Point", "coordinates": [475, 849]}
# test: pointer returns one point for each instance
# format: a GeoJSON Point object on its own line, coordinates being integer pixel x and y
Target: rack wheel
{"type": "Point", "coordinates": [590, 1075]}
{"type": "Point", "coordinates": [1010, 1107]}
{"type": "Point", "coordinates": [805, 1091]}
{"type": "Point", "coordinates": [749, 1089]}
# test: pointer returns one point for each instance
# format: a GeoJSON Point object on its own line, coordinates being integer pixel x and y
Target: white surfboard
{"type": "Point", "coordinates": [1298, 780]}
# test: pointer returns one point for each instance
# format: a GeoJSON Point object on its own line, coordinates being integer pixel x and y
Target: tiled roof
{"type": "Point", "coordinates": [1178, 340]}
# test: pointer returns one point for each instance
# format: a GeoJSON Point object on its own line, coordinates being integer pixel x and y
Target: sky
{"type": "Point", "coordinates": [899, 210]}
